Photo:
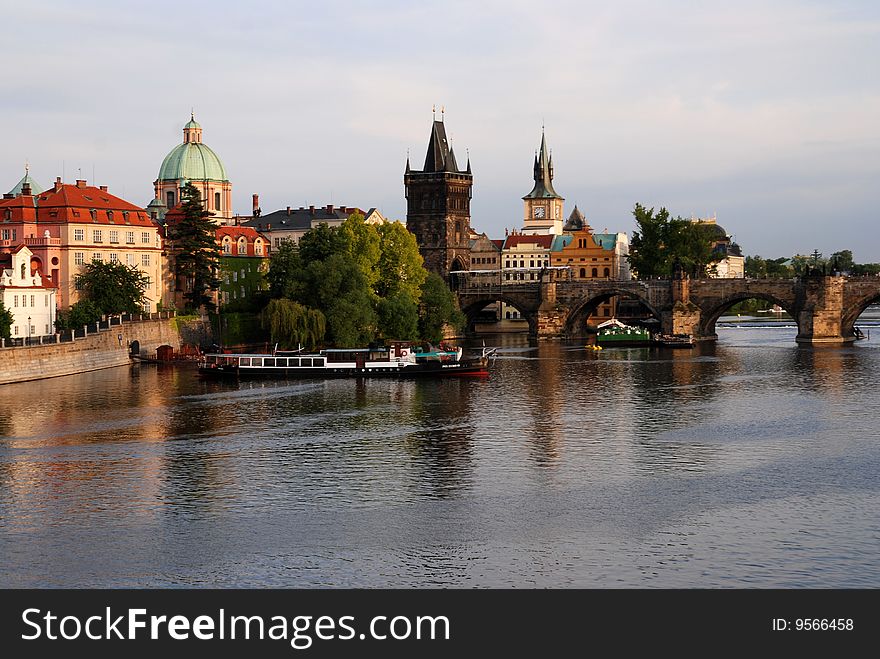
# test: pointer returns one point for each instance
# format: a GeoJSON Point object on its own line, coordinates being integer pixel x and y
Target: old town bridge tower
{"type": "Point", "coordinates": [438, 209]}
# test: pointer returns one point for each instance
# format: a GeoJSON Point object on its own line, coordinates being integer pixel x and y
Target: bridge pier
{"type": "Point", "coordinates": [820, 322]}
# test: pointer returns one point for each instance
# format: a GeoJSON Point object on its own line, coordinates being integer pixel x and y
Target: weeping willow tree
{"type": "Point", "coordinates": [291, 324]}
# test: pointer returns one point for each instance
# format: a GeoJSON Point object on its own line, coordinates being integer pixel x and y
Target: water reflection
{"type": "Point", "coordinates": [703, 467]}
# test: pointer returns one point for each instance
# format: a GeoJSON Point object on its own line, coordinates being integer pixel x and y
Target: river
{"type": "Point", "coordinates": [750, 462]}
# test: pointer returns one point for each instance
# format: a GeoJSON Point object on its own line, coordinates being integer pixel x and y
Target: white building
{"type": "Point", "coordinates": [32, 304]}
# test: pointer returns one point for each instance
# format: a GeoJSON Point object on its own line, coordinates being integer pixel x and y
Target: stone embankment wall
{"type": "Point", "coordinates": [104, 349]}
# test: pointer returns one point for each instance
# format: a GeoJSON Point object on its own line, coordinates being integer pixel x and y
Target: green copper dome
{"type": "Point", "coordinates": [193, 161]}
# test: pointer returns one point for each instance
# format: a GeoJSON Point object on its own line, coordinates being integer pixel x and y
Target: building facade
{"type": "Point", "coordinates": [23, 292]}
{"type": "Point", "coordinates": [244, 262]}
{"type": "Point", "coordinates": [193, 162]}
{"type": "Point", "coordinates": [69, 225]}
{"type": "Point", "coordinates": [438, 206]}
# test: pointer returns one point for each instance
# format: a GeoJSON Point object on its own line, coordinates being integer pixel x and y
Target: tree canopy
{"type": "Point", "coordinates": [195, 251]}
{"type": "Point", "coordinates": [662, 242]}
{"type": "Point", "coordinates": [366, 280]}
{"type": "Point", "coordinates": [112, 286]}
{"type": "Point", "coordinates": [6, 320]}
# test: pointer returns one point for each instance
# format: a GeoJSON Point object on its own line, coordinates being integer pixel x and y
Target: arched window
{"type": "Point", "coordinates": [583, 273]}
{"type": "Point", "coordinates": [607, 272]}
{"type": "Point", "coordinates": [217, 201]}
{"type": "Point", "coordinates": [23, 275]}
{"type": "Point", "coordinates": [595, 272]}
{"type": "Point", "coordinates": [227, 246]}
{"type": "Point", "coordinates": [242, 246]}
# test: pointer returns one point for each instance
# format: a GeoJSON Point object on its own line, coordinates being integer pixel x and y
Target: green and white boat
{"type": "Point", "coordinates": [614, 333]}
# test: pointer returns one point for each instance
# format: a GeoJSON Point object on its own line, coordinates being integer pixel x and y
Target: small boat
{"type": "Point", "coordinates": [614, 333]}
{"type": "Point", "coordinates": [674, 340]}
{"type": "Point", "coordinates": [399, 359]}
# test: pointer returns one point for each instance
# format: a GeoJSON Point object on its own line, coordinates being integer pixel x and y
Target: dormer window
{"type": "Point", "coordinates": [110, 215]}
{"type": "Point", "coordinates": [94, 214]}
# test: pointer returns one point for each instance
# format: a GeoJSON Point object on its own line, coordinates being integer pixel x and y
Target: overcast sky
{"type": "Point", "coordinates": [766, 114]}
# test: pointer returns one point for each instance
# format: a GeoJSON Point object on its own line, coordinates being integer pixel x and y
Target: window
{"type": "Point", "coordinates": [242, 247]}
{"type": "Point", "coordinates": [24, 300]}
{"type": "Point", "coordinates": [23, 271]}
{"type": "Point", "coordinates": [217, 201]}
{"type": "Point", "coordinates": [96, 256]}
{"type": "Point", "coordinates": [15, 301]}
{"type": "Point", "coordinates": [97, 236]}
{"type": "Point", "coordinates": [583, 273]}
{"type": "Point", "coordinates": [145, 237]}
{"type": "Point", "coordinates": [114, 236]}
{"type": "Point", "coordinates": [169, 198]}
{"type": "Point", "coordinates": [6, 234]}
{"type": "Point", "coordinates": [79, 234]}
{"type": "Point", "coordinates": [242, 273]}
{"type": "Point", "coordinates": [145, 259]}
{"type": "Point", "coordinates": [16, 331]}
{"type": "Point", "coordinates": [227, 246]}
{"type": "Point", "coordinates": [595, 272]}
{"type": "Point", "coordinates": [147, 281]}
{"type": "Point", "coordinates": [607, 272]}
{"type": "Point", "coordinates": [242, 291]}
{"type": "Point", "coordinates": [129, 259]}
{"type": "Point", "coordinates": [110, 215]}
{"type": "Point", "coordinates": [235, 276]}
{"type": "Point", "coordinates": [258, 247]}
{"type": "Point", "coordinates": [129, 237]}
{"type": "Point", "coordinates": [114, 257]}
{"type": "Point", "coordinates": [45, 300]}
{"type": "Point", "coordinates": [78, 258]}
{"type": "Point", "coordinates": [33, 303]}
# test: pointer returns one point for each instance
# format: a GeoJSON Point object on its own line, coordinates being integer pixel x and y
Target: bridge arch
{"type": "Point", "coordinates": [581, 310]}
{"type": "Point", "coordinates": [474, 305]}
{"type": "Point", "coordinates": [711, 312]}
{"type": "Point", "coordinates": [855, 309]}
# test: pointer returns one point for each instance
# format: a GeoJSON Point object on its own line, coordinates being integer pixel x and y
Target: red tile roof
{"type": "Point", "coordinates": [520, 239]}
{"type": "Point", "coordinates": [67, 203]}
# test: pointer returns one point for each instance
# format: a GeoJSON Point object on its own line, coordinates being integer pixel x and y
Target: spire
{"type": "Point", "coordinates": [543, 173]}
{"type": "Point", "coordinates": [468, 169]}
{"type": "Point", "coordinates": [438, 151]}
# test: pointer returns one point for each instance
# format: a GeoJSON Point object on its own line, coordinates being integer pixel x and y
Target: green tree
{"type": "Point", "coordinates": [399, 317]}
{"type": "Point", "coordinates": [438, 308]}
{"type": "Point", "coordinates": [401, 266]}
{"type": "Point", "coordinates": [6, 320]}
{"type": "Point", "coordinates": [291, 324]}
{"type": "Point", "coordinates": [285, 266]}
{"type": "Point", "coordinates": [196, 254]}
{"type": "Point", "coordinates": [647, 256]}
{"type": "Point", "coordinates": [755, 267]}
{"type": "Point", "coordinates": [866, 269]}
{"type": "Point", "coordinates": [112, 286]}
{"type": "Point", "coordinates": [361, 242]}
{"type": "Point", "coordinates": [661, 242]}
{"type": "Point", "coordinates": [779, 268]}
{"type": "Point", "coordinates": [84, 312]}
{"type": "Point", "coordinates": [841, 261]}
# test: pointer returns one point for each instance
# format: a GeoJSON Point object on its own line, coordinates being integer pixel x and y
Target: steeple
{"type": "Point", "coordinates": [439, 157]}
{"type": "Point", "coordinates": [543, 174]}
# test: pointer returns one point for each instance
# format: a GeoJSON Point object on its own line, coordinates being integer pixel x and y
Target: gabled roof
{"type": "Point", "coordinates": [301, 218]}
{"type": "Point", "coordinates": [236, 232]}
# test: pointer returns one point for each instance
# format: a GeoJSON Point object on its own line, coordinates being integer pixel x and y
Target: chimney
{"type": "Point", "coordinates": [26, 190]}
{"type": "Point", "coordinates": [80, 183]}
{"type": "Point", "coordinates": [103, 188]}
{"type": "Point", "coordinates": [288, 210]}
{"type": "Point", "coordinates": [256, 203]}
{"type": "Point", "coordinates": [57, 183]}
{"type": "Point", "coordinates": [312, 210]}
{"type": "Point", "coordinates": [343, 210]}
{"type": "Point", "coordinates": [330, 209]}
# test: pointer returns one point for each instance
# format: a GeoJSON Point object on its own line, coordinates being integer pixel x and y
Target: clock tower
{"type": "Point", "coordinates": [543, 207]}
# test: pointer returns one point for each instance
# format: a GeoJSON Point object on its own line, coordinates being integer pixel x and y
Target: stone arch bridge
{"type": "Point", "coordinates": [557, 306]}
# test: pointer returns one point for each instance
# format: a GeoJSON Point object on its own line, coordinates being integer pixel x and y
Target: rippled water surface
{"type": "Point", "coordinates": [748, 463]}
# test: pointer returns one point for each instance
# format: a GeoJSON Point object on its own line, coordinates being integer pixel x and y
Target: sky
{"type": "Point", "coordinates": [763, 114]}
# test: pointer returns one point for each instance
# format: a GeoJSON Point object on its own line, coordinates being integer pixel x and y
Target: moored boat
{"type": "Point", "coordinates": [614, 333]}
{"type": "Point", "coordinates": [674, 340]}
{"type": "Point", "coordinates": [398, 359]}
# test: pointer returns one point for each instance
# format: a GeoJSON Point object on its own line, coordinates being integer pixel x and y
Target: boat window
{"type": "Point", "coordinates": [256, 361]}
{"type": "Point", "coordinates": [305, 361]}
{"type": "Point", "coordinates": [268, 361]}
{"type": "Point", "coordinates": [281, 361]}
{"type": "Point", "coordinates": [293, 362]}
{"type": "Point", "coordinates": [244, 361]}
{"type": "Point", "coordinates": [319, 361]}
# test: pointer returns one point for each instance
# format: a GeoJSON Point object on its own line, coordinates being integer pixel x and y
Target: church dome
{"type": "Point", "coordinates": [192, 160]}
